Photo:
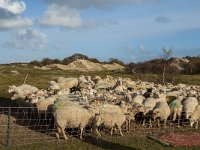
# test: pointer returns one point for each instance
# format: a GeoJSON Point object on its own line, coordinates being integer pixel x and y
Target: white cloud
{"type": "Point", "coordinates": [61, 16]}
{"type": "Point", "coordinates": [27, 39]}
{"type": "Point", "coordinates": [14, 6]}
{"type": "Point", "coordinates": [66, 13]}
{"type": "Point", "coordinates": [10, 18]}
{"type": "Point", "coordinates": [16, 22]}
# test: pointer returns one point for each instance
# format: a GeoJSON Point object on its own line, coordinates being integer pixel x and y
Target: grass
{"type": "Point", "coordinates": [127, 142]}
{"type": "Point", "coordinates": [40, 79]}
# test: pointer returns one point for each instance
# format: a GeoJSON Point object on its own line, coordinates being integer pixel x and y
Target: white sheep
{"type": "Point", "coordinates": [70, 115]}
{"type": "Point", "coordinates": [161, 113]}
{"type": "Point", "coordinates": [110, 116]}
{"type": "Point", "coordinates": [138, 99]}
{"type": "Point", "coordinates": [176, 108]}
{"type": "Point", "coordinates": [131, 112]}
{"type": "Point", "coordinates": [146, 108]}
{"type": "Point", "coordinates": [189, 105]}
{"type": "Point", "coordinates": [22, 89]}
{"type": "Point", "coordinates": [110, 120]}
{"type": "Point", "coordinates": [118, 87]}
{"type": "Point", "coordinates": [20, 93]}
{"type": "Point", "coordinates": [68, 83]}
{"type": "Point", "coordinates": [44, 104]}
{"type": "Point", "coordinates": [195, 117]}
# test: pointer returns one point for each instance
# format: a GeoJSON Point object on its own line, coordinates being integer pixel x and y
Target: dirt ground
{"type": "Point", "coordinates": [182, 139]}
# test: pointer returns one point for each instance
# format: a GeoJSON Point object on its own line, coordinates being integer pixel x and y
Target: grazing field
{"type": "Point", "coordinates": [40, 79]}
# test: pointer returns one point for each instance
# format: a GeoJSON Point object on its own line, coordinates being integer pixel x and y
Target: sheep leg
{"type": "Point", "coordinates": [129, 125]}
{"type": "Point", "coordinates": [197, 124]}
{"type": "Point", "coordinates": [143, 124]}
{"type": "Point", "coordinates": [120, 130]}
{"type": "Point", "coordinates": [174, 116]}
{"type": "Point", "coordinates": [158, 122]}
{"type": "Point", "coordinates": [97, 131]}
{"type": "Point", "coordinates": [165, 123]}
{"type": "Point", "coordinates": [63, 132]}
{"type": "Point", "coordinates": [150, 122]}
{"type": "Point", "coordinates": [39, 117]}
{"type": "Point", "coordinates": [111, 133]}
{"type": "Point", "coordinates": [81, 134]}
{"type": "Point", "coordinates": [179, 121]}
{"type": "Point", "coordinates": [115, 129]}
{"type": "Point", "coordinates": [59, 131]}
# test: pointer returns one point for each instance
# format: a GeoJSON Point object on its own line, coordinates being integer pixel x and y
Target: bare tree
{"type": "Point", "coordinates": [167, 53]}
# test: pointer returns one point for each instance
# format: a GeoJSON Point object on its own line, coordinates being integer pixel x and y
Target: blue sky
{"type": "Point", "coordinates": [130, 30]}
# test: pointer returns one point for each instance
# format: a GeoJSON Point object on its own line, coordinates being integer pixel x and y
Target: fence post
{"type": "Point", "coordinates": [8, 128]}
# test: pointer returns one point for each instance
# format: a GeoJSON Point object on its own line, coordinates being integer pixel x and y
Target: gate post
{"type": "Point", "coordinates": [8, 129]}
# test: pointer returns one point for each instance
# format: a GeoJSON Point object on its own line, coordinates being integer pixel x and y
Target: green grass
{"type": "Point", "coordinates": [40, 79]}
{"type": "Point", "coordinates": [127, 142]}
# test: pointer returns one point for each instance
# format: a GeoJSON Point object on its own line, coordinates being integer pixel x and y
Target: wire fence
{"type": "Point", "coordinates": [22, 126]}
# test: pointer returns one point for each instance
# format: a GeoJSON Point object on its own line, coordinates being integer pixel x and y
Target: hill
{"type": "Point", "coordinates": [86, 65]}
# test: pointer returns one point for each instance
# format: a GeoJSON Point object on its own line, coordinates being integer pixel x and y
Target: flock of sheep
{"type": "Point", "coordinates": [110, 102]}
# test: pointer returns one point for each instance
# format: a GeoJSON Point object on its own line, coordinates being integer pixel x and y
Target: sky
{"type": "Point", "coordinates": [129, 30]}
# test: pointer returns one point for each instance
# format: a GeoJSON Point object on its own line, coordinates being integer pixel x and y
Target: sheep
{"type": "Point", "coordinates": [109, 120]}
{"type": "Point", "coordinates": [189, 105]}
{"type": "Point", "coordinates": [103, 85]}
{"type": "Point", "coordinates": [128, 82]}
{"type": "Point", "coordinates": [118, 87]}
{"type": "Point", "coordinates": [25, 88]}
{"type": "Point", "coordinates": [110, 116]}
{"type": "Point", "coordinates": [131, 113]}
{"type": "Point", "coordinates": [69, 83]}
{"type": "Point", "coordinates": [138, 99]}
{"type": "Point", "coordinates": [96, 79]}
{"type": "Point", "coordinates": [53, 86]}
{"type": "Point", "coordinates": [82, 79]}
{"type": "Point", "coordinates": [174, 93]}
{"type": "Point", "coordinates": [176, 108]}
{"type": "Point", "coordinates": [149, 104]}
{"type": "Point", "coordinates": [44, 104]}
{"type": "Point", "coordinates": [193, 93]}
{"type": "Point", "coordinates": [160, 97]}
{"type": "Point", "coordinates": [69, 115]}
{"type": "Point", "coordinates": [38, 93]}
{"type": "Point", "coordinates": [161, 112]}
{"type": "Point", "coordinates": [148, 93]}
{"type": "Point", "coordinates": [20, 93]}
{"type": "Point", "coordinates": [146, 108]}
{"type": "Point", "coordinates": [195, 117]}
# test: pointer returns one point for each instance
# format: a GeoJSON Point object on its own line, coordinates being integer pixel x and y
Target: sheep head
{"type": "Point", "coordinates": [192, 121]}
{"type": "Point", "coordinates": [12, 89]}
{"type": "Point", "coordinates": [156, 113]}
